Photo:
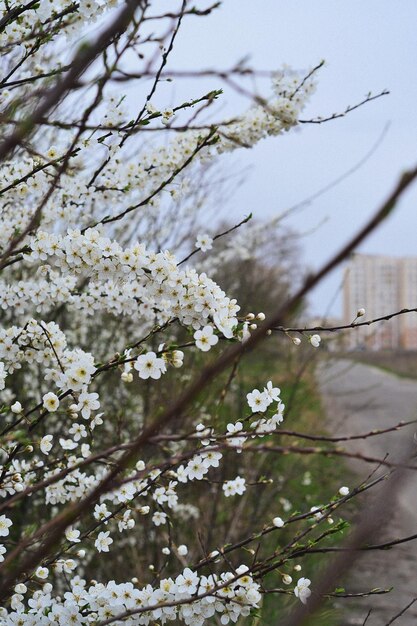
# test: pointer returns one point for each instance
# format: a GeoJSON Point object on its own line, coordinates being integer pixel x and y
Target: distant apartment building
{"type": "Point", "coordinates": [381, 285]}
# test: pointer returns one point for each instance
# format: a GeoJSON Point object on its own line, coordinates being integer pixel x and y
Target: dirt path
{"type": "Point", "coordinates": [359, 398]}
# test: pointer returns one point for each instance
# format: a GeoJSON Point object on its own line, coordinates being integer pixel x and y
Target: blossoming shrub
{"type": "Point", "coordinates": [102, 328]}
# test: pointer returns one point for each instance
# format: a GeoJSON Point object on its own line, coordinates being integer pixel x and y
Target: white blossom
{"type": "Point", "coordinates": [259, 401]}
{"type": "Point", "coordinates": [150, 366]}
{"type": "Point", "coordinates": [73, 535]}
{"type": "Point", "coordinates": [46, 444]}
{"type": "Point", "coordinates": [87, 402]}
{"type": "Point", "coordinates": [50, 402]}
{"type": "Point", "coordinates": [234, 487]}
{"type": "Point", "coordinates": [3, 374]}
{"type": "Point", "coordinates": [205, 338]}
{"type": "Point", "coordinates": [315, 340]}
{"type": "Point", "coordinates": [103, 542]}
{"type": "Point", "coordinates": [5, 524]}
{"type": "Point", "coordinates": [159, 518]}
{"type": "Point", "coordinates": [302, 590]}
{"type": "Point", "coordinates": [204, 242]}
{"type": "Point", "coordinates": [42, 572]}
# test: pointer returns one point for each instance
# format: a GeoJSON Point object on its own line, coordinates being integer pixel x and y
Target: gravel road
{"type": "Point", "coordinates": [357, 399]}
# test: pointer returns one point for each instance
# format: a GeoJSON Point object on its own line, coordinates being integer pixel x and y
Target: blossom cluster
{"type": "Point", "coordinates": [92, 277]}
{"type": "Point", "coordinates": [189, 597]}
{"type": "Point", "coordinates": [133, 282]}
{"type": "Point", "coordinates": [278, 115]}
{"type": "Point", "coordinates": [38, 17]}
{"type": "Point", "coordinates": [44, 343]}
{"type": "Point", "coordinates": [260, 401]}
{"type": "Point", "coordinates": [121, 185]}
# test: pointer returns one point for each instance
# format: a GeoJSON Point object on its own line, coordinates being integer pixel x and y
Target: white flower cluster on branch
{"type": "Point", "coordinates": [91, 297]}
{"type": "Point", "coordinates": [133, 281]}
{"type": "Point", "coordinates": [191, 598]}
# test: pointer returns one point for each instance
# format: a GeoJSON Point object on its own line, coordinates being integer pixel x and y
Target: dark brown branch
{"type": "Point", "coordinates": [333, 329]}
{"type": "Point", "coordinates": [329, 452]}
{"type": "Point", "coordinates": [402, 612]}
{"type": "Point", "coordinates": [15, 12]}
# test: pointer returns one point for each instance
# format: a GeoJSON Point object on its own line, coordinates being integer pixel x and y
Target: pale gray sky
{"type": "Point", "coordinates": [368, 45]}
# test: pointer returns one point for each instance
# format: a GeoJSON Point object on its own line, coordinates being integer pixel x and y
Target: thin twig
{"type": "Point", "coordinates": [226, 232]}
{"type": "Point", "coordinates": [401, 612]}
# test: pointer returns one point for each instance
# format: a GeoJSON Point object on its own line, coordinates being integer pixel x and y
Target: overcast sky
{"type": "Point", "coordinates": [368, 45]}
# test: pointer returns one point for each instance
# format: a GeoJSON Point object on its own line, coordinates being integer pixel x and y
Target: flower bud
{"type": "Point", "coordinates": [315, 340]}
{"type": "Point", "coordinates": [213, 554]}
